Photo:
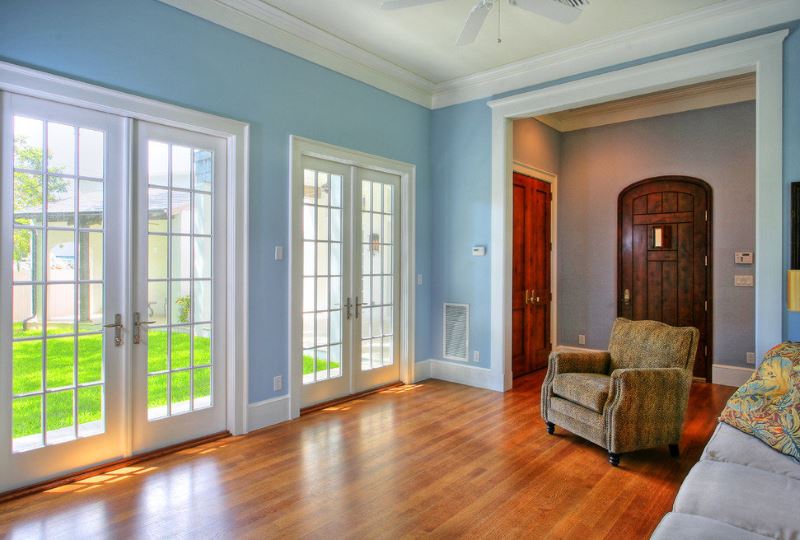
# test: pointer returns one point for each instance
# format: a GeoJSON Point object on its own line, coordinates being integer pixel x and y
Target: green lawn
{"type": "Point", "coordinates": [322, 365]}
{"type": "Point", "coordinates": [27, 370]}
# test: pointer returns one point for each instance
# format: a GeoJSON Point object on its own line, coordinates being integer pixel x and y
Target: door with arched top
{"type": "Point", "coordinates": [664, 256]}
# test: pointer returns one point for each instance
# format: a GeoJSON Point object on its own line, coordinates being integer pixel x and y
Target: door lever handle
{"type": "Point", "coordinates": [117, 326]}
{"type": "Point", "coordinates": [359, 304]}
{"type": "Point", "coordinates": [137, 327]}
{"type": "Point", "coordinates": [349, 306]}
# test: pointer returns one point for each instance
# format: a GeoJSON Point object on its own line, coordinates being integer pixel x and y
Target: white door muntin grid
{"type": "Point", "coordinates": [67, 273]}
{"type": "Point", "coordinates": [352, 375]}
{"type": "Point", "coordinates": [179, 286]}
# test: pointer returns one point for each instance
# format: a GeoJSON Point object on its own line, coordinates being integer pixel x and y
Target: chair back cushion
{"type": "Point", "coordinates": [652, 344]}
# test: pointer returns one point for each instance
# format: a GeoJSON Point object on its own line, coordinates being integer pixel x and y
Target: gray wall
{"type": "Point", "coordinates": [537, 145]}
{"type": "Point", "coordinates": [717, 145]}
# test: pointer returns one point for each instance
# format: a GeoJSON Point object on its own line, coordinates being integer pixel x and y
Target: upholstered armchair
{"type": "Point", "coordinates": [631, 397]}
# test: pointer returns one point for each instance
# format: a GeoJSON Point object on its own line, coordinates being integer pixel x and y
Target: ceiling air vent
{"type": "Point", "coordinates": [456, 332]}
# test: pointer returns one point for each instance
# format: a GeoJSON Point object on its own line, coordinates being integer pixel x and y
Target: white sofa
{"type": "Point", "coordinates": [741, 489]}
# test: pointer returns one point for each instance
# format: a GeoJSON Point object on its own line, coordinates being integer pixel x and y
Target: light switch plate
{"type": "Point", "coordinates": [742, 281]}
{"type": "Point", "coordinates": [581, 339]}
{"type": "Point", "coordinates": [278, 253]}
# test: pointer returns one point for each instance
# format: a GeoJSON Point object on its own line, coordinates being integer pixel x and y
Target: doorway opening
{"type": "Point", "coordinates": [757, 59]}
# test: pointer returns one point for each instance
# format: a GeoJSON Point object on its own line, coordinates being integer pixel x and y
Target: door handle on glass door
{"type": "Point", "coordinates": [349, 306]}
{"type": "Point", "coordinates": [117, 326]}
{"type": "Point", "coordinates": [137, 327]}
{"type": "Point", "coordinates": [359, 304]}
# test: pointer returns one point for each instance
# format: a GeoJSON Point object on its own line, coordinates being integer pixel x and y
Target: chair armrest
{"type": "Point", "coordinates": [571, 362]}
{"type": "Point", "coordinates": [579, 362]}
{"type": "Point", "coordinates": [645, 407]}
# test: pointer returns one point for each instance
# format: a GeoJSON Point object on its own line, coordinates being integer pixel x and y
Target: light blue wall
{"type": "Point", "coordinates": [150, 49]}
{"type": "Point", "coordinates": [461, 151]}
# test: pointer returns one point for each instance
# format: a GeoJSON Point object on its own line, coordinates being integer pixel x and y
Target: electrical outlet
{"type": "Point", "coordinates": [476, 356]}
{"type": "Point", "coordinates": [278, 253]}
{"type": "Point", "coordinates": [419, 279]}
{"type": "Point", "coordinates": [277, 382]}
{"type": "Point", "coordinates": [581, 339]}
{"type": "Point", "coordinates": [751, 358]}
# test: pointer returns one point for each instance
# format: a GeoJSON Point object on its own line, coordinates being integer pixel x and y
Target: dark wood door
{"type": "Point", "coordinates": [664, 271]}
{"type": "Point", "coordinates": [531, 275]}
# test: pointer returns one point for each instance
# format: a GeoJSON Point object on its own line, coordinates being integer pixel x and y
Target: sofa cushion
{"type": "Point", "coordinates": [768, 405]}
{"type": "Point", "coordinates": [689, 527]}
{"type": "Point", "coordinates": [730, 445]}
{"type": "Point", "coordinates": [587, 389]}
{"type": "Point", "coordinates": [745, 497]}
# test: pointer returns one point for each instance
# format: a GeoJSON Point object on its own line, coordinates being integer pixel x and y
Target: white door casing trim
{"type": "Point", "coordinates": [762, 55]}
{"type": "Point", "coordinates": [300, 147]}
{"type": "Point", "coordinates": [552, 179]}
{"type": "Point", "coordinates": [21, 80]}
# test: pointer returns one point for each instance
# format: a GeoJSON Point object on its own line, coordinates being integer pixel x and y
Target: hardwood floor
{"type": "Point", "coordinates": [432, 459]}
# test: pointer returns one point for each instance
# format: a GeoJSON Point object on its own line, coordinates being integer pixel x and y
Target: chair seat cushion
{"type": "Point", "coordinates": [587, 389]}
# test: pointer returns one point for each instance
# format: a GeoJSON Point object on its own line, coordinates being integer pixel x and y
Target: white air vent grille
{"type": "Point", "coordinates": [456, 332]}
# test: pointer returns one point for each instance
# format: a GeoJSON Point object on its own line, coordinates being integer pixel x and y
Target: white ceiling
{"type": "Point", "coordinates": [422, 39]}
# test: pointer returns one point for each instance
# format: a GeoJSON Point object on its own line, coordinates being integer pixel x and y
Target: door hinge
{"type": "Point", "coordinates": [706, 215]}
{"type": "Point", "coordinates": [705, 350]}
{"type": "Point", "coordinates": [551, 246]}
{"type": "Point", "coordinates": [705, 305]}
{"type": "Point", "coordinates": [705, 259]}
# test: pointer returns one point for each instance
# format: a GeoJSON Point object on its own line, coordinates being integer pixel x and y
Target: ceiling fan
{"type": "Point", "coordinates": [563, 11]}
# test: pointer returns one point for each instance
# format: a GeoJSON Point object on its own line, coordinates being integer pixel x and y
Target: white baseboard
{"type": "Point", "coordinates": [422, 370]}
{"type": "Point", "coordinates": [570, 348]}
{"type": "Point", "coordinates": [268, 412]}
{"type": "Point", "coordinates": [454, 372]}
{"type": "Point", "coordinates": [730, 375]}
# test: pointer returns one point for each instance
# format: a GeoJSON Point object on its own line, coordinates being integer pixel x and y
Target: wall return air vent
{"type": "Point", "coordinates": [455, 336]}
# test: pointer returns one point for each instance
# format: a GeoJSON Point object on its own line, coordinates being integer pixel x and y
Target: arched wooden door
{"type": "Point", "coordinates": [664, 256]}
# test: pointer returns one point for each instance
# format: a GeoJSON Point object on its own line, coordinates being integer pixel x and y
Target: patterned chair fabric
{"type": "Point", "coordinates": [634, 396]}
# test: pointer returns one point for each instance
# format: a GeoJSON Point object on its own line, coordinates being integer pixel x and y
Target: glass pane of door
{"type": "Point", "coordinates": [378, 242]}
{"type": "Point", "coordinates": [180, 243]}
{"type": "Point", "coordinates": [322, 275]}
{"type": "Point", "coordinates": [57, 273]}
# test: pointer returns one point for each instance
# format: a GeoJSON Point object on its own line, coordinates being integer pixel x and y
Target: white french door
{"type": "Point", "coordinates": [112, 288]}
{"type": "Point", "coordinates": [179, 287]}
{"type": "Point", "coordinates": [62, 278]}
{"type": "Point", "coordinates": [350, 296]}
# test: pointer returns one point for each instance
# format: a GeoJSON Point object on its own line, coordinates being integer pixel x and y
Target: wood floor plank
{"type": "Point", "coordinates": [433, 459]}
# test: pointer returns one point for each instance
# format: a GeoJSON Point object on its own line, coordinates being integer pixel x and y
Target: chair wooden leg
{"type": "Point", "coordinates": [613, 459]}
{"type": "Point", "coordinates": [674, 451]}
{"type": "Point", "coordinates": [551, 427]}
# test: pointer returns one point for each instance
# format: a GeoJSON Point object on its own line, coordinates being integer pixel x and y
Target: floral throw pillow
{"type": "Point", "coordinates": [768, 405]}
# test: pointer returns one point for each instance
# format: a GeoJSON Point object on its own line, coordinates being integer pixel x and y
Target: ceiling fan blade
{"type": "Point", "coordinates": [551, 9]}
{"type": "Point", "coordinates": [474, 22]}
{"type": "Point", "coordinates": [400, 4]}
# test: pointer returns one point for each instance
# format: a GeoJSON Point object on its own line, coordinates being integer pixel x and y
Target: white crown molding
{"type": "Point", "coordinates": [717, 21]}
{"type": "Point", "coordinates": [688, 98]}
{"type": "Point", "coordinates": [260, 21]}
{"type": "Point", "coordinates": [272, 26]}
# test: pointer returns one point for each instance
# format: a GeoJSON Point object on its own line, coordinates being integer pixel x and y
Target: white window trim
{"type": "Point", "coordinates": [21, 80]}
{"type": "Point", "coordinates": [407, 172]}
{"type": "Point", "coordinates": [762, 55]}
